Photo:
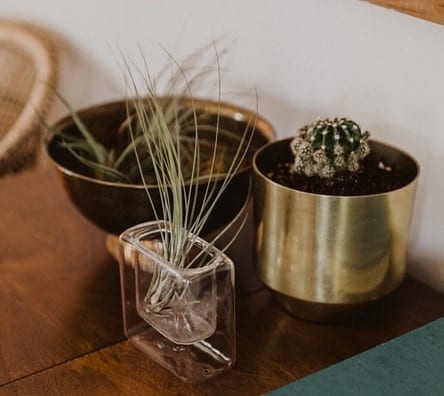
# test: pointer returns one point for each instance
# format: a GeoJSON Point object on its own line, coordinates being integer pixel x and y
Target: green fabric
{"type": "Point", "coordinates": [412, 364]}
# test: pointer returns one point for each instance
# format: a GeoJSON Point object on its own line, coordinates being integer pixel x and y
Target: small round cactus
{"type": "Point", "coordinates": [326, 147]}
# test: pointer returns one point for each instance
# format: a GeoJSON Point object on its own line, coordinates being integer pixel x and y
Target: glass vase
{"type": "Point", "coordinates": [182, 318]}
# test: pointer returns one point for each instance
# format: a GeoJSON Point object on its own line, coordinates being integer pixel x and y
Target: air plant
{"type": "Point", "coordinates": [105, 163]}
{"type": "Point", "coordinates": [212, 164]}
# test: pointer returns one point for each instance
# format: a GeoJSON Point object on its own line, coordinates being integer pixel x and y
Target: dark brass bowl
{"type": "Point", "coordinates": [116, 206]}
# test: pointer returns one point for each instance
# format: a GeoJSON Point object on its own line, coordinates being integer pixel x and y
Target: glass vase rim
{"type": "Point", "coordinates": [133, 236]}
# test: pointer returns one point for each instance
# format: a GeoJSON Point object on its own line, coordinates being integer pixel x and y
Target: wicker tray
{"type": "Point", "coordinates": [27, 73]}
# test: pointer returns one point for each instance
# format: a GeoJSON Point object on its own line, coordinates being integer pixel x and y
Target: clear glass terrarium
{"type": "Point", "coordinates": [182, 318]}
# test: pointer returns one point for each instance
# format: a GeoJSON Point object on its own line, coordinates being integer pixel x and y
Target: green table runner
{"type": "Point", "coordinates": [412, 364]}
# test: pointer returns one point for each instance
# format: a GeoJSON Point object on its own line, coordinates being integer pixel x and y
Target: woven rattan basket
{"type": "Point", "coordinates": [27, 74]}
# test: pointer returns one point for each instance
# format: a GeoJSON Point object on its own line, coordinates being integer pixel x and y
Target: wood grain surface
{"type": "Point", "coordinates": [61, 329]}
{"type": "Point", "coordinates": [59, 290]}
{"type": "Point", "coordinates": [273, 349]}
{"type": "Point", "coordinates": [431, 10]}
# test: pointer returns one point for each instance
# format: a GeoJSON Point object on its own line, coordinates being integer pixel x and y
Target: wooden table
{"type": "Point", "coordinates": [60, 317]}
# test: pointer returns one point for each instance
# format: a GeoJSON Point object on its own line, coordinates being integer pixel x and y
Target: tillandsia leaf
{"type": "Point", "coordinates": [129, 150]}
{"type": "Point", "coordinates": [158, 142]}
{"type": "Point", "coordinates": [210, 189]}
{"type": "Point", "coordinates": [211, 200]}
{"type": "Point", "coordinates": [190, 67]}
{"type": "Point", "coordinates": [226, 146]}
{"type": "Point", "coordinates": [79, 147]}
{"type": "Point", "coordinates": [99, 151]}
{"type": "Point", "coordinates": [235, 165]}
{"type": "Point", "coordinates": [195, 177]}
{"type": "Point", "coordinates": [244, 213]}
{"type": "Point", "coordinates": [133, 173]}
{"type": "Point", "coordinates": [42, 120]}
{"type": "Point", "coordinates": [112, 174]}
{"type": "Point", "coordinates": [169, 152]}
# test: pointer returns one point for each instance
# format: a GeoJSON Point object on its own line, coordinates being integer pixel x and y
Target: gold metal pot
{"type": "Point", "coordinates": [327, 257]}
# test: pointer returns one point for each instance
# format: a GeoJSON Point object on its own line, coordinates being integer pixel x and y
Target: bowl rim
{"type": "Point", "coordinates": [238, 113]}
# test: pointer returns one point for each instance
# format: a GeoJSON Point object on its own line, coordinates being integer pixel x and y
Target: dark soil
{"type": "Point", "coordinates": [376, 176]}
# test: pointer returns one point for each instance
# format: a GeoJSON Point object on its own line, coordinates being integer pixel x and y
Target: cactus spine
{"type": "Point", "coordinates": [329, 146]}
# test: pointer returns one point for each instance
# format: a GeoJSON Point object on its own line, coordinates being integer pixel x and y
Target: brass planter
{"type": "Point", "coordinates": [115, 206]}
{"type": "Point", "coordinates": [327, 257]}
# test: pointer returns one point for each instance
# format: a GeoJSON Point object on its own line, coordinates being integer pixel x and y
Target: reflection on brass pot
{"type": "Point", "coordinates": [117, 206]}
{"type": "Point", "coordinates": [327, 256]}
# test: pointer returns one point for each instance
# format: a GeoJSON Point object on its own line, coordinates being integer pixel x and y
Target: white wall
{"type": "Point", "coordinates": [305, 57]}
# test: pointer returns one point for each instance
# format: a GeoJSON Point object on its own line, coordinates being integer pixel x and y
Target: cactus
{"type": "Point", "coordinates": [327, 147]}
